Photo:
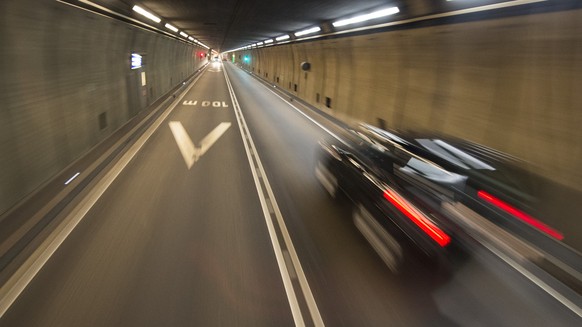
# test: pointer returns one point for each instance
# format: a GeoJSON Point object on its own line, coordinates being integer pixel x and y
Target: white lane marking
{"type": "Point", "coordinates": [10, 291]}
{"type": "Point", "coordinates": [285, 272]}
{"type": "Point", "coordinates": [189, 151]}
{"type": "Point", "coordinates": [212, 137]}
{"type": "Point", "coordinates": [184, 141]}
{"type": "Point", "coordinates": [302, 113]}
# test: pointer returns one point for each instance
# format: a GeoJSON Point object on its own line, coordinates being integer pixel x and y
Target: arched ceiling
{"type": "Point", "coordinates": [229, 24]}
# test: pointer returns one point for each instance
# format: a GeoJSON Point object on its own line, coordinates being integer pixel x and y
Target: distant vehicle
{"type": "Point", "coordinates": [431, 197]}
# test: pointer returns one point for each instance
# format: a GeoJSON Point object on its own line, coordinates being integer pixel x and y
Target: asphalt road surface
{"type": "Point", "coordinates": [218, 220]}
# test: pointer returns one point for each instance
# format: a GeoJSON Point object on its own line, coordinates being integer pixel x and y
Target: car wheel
{"type": "Point", "coordinates": [387, 247]}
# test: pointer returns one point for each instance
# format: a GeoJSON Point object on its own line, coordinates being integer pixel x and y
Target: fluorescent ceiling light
{"type": "Point", "coordinates": [190, 38]}
{"type": "Point", "coordinates": [308, 31]}
{"type": "Point", "coordinates": [268, 41]}
{"type": "Point", "coordinates": [184, 34]}
{"type": "Point", "coordinates": [282, 37]}
{"type": "Point", "coordinates": [362, 18]}
{"type": "Point", "coordinates": [259, 43]}
{"type": "Point", "coordinates": [146, 13]}
{"type": "Point", "coordinates": [171, 27]}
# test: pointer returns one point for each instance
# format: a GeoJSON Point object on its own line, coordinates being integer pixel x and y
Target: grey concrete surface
{"type": "Point", "coordinates": [66, 84]}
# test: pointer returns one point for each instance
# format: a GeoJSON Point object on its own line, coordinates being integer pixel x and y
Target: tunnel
{"type": "Point", "coordinates": [290, 163]}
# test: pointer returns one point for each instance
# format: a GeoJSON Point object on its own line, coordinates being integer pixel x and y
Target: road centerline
{"type": "Point", "coordinates": [287, 268]}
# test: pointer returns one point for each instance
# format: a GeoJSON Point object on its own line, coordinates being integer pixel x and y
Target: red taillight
{"type": "Point", "coordinates": [418, 218]}
{"type": "Point", "coordinates": [520, 215]}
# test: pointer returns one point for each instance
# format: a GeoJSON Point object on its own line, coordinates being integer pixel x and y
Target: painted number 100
{"type": "Point", "coordinates": [205, 103]}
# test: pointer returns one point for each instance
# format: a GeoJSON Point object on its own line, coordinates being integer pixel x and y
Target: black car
{"type": "Point", "coordinates": [435, 197]}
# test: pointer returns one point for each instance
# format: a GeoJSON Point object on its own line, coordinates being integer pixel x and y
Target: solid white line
{"type": "Point", "coordinates": [28, 270]}
{"type": "Point", "coordinates": [184, 142]}
{"type": "Point", "coordinates": [285, 272]}
{"type": "Point", "coordinates": [302, 113]}
{"type": "Point", "coordinates": [288, 285]}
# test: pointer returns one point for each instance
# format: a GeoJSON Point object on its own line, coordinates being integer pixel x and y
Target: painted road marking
{"type": "Point", "coordinates": [285, 254]}
{"type": "Point", "coordinates": [10, 291]}
{"type": "Point", "coordinates": [206, 103]}
{"type": "Point", "coordinates": [190, 152]}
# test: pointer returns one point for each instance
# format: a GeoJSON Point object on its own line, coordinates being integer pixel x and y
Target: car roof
{"type": "Point", "coordinates": [497, 171]}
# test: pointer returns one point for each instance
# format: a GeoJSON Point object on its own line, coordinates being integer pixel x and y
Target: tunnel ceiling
{"type": "Point", "coordinates": [229, 24]}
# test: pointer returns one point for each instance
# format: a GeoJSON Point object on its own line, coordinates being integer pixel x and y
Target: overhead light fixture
{"type": "Point", "coordinates": [268, 41]}
{"type": "Point", "coordinates": [184, 34]}
{"type": "Point", "coordinates": [171, 27]}
{"type": "Point", "coordinates": [308, 31]}
{"type": "Point", "coordinates": [259, 43]}
{"type": "Point", "coordinates": [362, 18]}
{"type": "Point", "coordinates": [282, 37]}
{"type": "Point", "coordinates": [190, 38]}
{"type": "Point", "coordinates": [146, 13]}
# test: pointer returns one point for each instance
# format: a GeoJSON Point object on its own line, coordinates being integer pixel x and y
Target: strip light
{"type": "Point", "coordinates": [282, 37]}
{"type": "Point", "coordinates": [362, 18]}
{"type": "Point", "coordinates": [171, 27]}
{"type": "Point", "coordinates": [146, 13]}
{"type": "Point", "coordinates": [184, 34]}
{"type": "Point", "coordinates": [268, 41]}
{"type": "Point", "coordinates": [308, 31]}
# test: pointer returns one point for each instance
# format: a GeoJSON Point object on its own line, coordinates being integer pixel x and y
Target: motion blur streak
{"type": "Point", "coordinates": [420, 220]}
{"type": "Point", "coordinates": [521, 215]}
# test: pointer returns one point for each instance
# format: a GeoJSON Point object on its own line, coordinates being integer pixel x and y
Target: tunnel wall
{"type": "Point", "coordinates": [66, 84]}
{"type": "Point", "coordinates": [513, 84]}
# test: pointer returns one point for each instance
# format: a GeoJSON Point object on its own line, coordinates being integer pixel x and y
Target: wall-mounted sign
{"type": "Point", "coordinates": [136, 61]}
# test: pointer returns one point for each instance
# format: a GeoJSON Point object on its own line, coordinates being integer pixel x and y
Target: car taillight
{"type": "Point", "coordinates": [418, 218]}
{"type": "Point", "coordinates": [520, 215]}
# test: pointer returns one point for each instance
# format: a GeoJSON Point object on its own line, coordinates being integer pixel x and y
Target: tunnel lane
{"type": "Point", "coordinates": [182, 238]}
{"type": "Point", "coordinates": [166, 245]}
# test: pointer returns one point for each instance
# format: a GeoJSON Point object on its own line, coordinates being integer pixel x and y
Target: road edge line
{"type": "Point", "coordinates": [17, 283]}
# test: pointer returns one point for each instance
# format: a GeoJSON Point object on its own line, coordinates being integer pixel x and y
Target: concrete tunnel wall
{"type": "Point", "coordinates": [514, 84]}
{"type": "Point", "coordinates": [66, 84]}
